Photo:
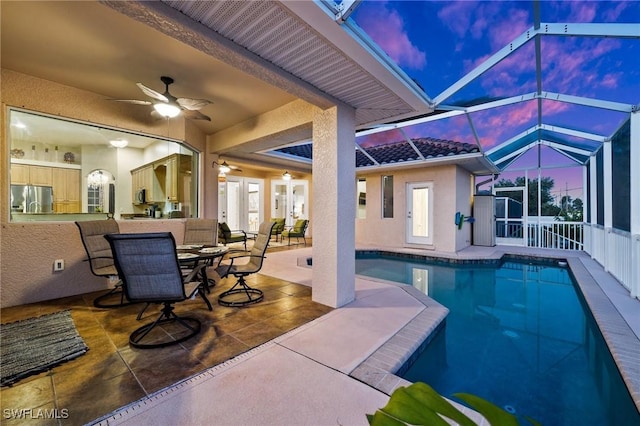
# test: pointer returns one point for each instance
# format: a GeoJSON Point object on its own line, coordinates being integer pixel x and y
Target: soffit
{"type": "Point", "coordinates": [276, 33]}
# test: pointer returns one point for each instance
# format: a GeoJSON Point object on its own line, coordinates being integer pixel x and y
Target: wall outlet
{"type": "Point", "coordinates": [58, 265]}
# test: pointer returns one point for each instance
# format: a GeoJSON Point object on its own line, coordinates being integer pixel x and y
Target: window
{"type": "Point", "coordinates": [78, 167]}
{"type": "Point", "coordinates": [361, 190]}
{"type": "Point", "coordinates": [387, 196]}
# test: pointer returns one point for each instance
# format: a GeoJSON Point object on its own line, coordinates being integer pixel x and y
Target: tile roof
{"type": "Point", "coordinates": [395, 152]}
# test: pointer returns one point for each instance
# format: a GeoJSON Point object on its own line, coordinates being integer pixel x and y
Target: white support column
{"type": "Point", "coordinates": [334, 206]}
{"type": "Point", "coordinates": [608, 201]}
{"type": "Point", "coordinates": [593, 201]}
{"type": "Point", "coordinates": [635, 204]}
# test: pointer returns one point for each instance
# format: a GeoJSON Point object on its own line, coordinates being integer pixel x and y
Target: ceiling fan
{"type": "Point", "coordinates": [224, 167]}
{"type": "Point", "coordinates": [168, 105]}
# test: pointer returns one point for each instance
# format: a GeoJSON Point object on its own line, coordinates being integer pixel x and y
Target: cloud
{"type": "Point", "coordinates": [570, 65]}
{"type": "Point", "coordinates": [386, 27]}
{"type": "Point", "coordinates": [457, 16]}
{"type": "Point", "coordinates": [582, 11]}
{"type": "Point", "coordinates": [612, 15]}
{"type": "Point", "coordinates": [480, 19]}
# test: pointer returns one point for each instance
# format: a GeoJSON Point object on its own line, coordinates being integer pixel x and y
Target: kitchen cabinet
{"type": "Point", "coordinates": [23, 174]}
{"type": "Point", "coordinates": [142, 178]}
{"type": "Point", "coordinates": [162, 179]}
{"type": "Point", "coordinates": [66, 190]}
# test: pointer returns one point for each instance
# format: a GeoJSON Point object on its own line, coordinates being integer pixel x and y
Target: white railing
{"type": "Point", "coordinates": [597, 243]}
{"type": "Point", "coordinates": [612, 248]}
{"type": "Point", "coordinates": [556, 235]}
{"type": "Point", "coordinates": [619, 252]}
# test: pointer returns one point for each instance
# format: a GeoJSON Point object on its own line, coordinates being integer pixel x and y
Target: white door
{"type": "Point", "coordinates": [240, 201]}
{"type": "Point", "coordinates": [290, 200]}
{"type": "Point", "coordinates": [420, 213]}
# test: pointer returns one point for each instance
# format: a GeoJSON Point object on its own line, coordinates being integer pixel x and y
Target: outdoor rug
{"type": "Point", "coordinates": [37, 344]}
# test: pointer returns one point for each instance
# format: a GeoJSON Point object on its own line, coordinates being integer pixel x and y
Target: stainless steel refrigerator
{"type": "Point", "coordinates": [31, 199]}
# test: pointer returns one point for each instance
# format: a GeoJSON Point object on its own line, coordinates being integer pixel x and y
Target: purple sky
{"type": "Point", "coordinates": [437, 43]}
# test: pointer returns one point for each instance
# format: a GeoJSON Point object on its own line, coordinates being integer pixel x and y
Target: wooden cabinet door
{"type": "Point", "coordinates": [171, 183]}
{"type": "Point", "coordinates": [59, 185]}
{"type": "Point", "coordinates": [19, 174]}
{"type": "Point", "coordinates": [39, 175]}
{"type": "Point", "coordinates": [66, 190]}
{"type": "Point", "coordinates": [135, 185]}
{"type": "Point", "coordinates": [147, 182]}
{"type": "Point", "coordinates": [72, 185]}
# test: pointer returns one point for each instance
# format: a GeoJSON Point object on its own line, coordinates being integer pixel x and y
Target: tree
{"type": "Point", "coordinates": [571, 209]}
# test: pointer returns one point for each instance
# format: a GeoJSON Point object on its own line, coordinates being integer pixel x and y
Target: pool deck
{"type": "Point", "coordinates": [341, 366]}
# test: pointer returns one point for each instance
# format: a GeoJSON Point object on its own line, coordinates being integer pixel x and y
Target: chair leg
{"type": "Point", "coordinates": [206, 300]}
{"type": "Point", "coordinates": [166, 316]}
{"type": "Point", "coordinates": [144, 308]}
{"type": "Point", "coordinates": [252, 295]}
{"type": "Point", "coordinates": [98, 302]}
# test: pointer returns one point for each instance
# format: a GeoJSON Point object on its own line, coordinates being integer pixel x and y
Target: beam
{"type": "Point", "coordinates": [577, 133]}
{"type": "Point", "coordinates": [591, 30]}
{"type": "Point", "coordinates": [486, 65]}
{"type": "Point", "coordinates": [579, 100]}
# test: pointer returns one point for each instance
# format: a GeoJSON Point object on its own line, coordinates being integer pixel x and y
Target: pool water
{"type": "Point", "coordinates": [518, 335]}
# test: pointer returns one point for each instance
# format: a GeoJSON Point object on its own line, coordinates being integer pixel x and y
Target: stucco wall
{"type": "Point", "coordinates": [30, 249]}
{"type": "Point", "coordinates": [451, 191]}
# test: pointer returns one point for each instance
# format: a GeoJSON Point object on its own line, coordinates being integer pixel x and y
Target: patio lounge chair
{"type": "Point", "coordinates": [278, 227]}
{"type": "Point", "coordinates": [227, 236]}
{"type": "Point", "coordinates": [256, 257]}
{"type": "Point", "coordinates": [100, 258]}
{"type": "Point", "coordinates": [148, 266]}
{"type": "Point", "coordinates": [297, 231]}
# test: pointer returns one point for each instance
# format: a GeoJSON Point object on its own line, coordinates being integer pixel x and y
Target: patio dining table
{"type": "Point", "coordinates": [193, 254]}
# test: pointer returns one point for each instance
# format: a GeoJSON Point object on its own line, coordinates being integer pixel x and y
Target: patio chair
{"type": "Point", "coordinates": [148, 266]}
{"type": "Point", "coordinates": [297, 231]}
{"type": "Point", "coordinates": [255, 257]}
{"type": "Point", "coordinates": [100, 258]}
{"type": "Point", "coordinates": [227, 236]}
{"type": "Point", "coordinates": [201, 231]}
{"type": "Point", "coordinates": [278, 227]}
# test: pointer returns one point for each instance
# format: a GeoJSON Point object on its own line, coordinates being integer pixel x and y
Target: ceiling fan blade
{"type": "Point", "coordinates": [196, 115]}
{"type": "Point", "coordinates": [132, 101]}
{"type": "Point", "coordinates": [152, 93]}
{"type": "Point", "coordinates": [193, 104]}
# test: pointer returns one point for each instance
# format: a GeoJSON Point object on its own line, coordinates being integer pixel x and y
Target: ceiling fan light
{"type": "Point", "coordinates": [119, 143]}
{"type": "Point", "coordinates": [166, 110]}
{"type": "Point", "coordinates": [224, 167]}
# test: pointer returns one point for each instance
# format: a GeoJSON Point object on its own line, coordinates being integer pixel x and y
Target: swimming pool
{"type": "Point", "coordinates": [517, 334]}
